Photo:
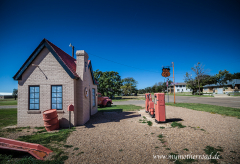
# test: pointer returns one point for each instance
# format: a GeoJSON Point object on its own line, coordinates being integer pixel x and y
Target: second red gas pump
{"type": "Point", "coordinates": [160, 113]}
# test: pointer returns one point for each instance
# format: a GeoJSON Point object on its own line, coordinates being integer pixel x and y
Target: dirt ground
{"type": "Point", "coordinates": [112, 137]}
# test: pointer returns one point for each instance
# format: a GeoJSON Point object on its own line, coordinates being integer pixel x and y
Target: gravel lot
{"type": "Point", "coordinates": [112, 137]}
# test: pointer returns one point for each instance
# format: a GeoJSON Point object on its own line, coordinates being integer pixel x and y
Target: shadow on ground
{"type": "Point", "coordinates": [173, 120]}
{"type": "Point", "coordinates": [114, 115]}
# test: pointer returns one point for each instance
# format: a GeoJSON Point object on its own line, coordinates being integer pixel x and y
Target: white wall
{"type": "Point", "coordinates": [181, 88]}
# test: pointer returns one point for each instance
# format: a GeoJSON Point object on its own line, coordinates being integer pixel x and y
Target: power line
{"type": "Point", "coordinates": [125, 64]}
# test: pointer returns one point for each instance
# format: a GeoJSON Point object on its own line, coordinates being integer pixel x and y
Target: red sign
{"type": "Point", "coordinates": [166, 72]}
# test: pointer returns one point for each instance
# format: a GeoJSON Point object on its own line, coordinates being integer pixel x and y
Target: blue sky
{"type": "Point", "coordinates": [145, 34]}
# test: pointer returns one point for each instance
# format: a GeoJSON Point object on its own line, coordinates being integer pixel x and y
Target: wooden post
{"type": "Point", "coordinates": [173, 81]}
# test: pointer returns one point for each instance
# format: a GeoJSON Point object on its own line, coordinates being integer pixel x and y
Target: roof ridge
{"type": "Point", "coordinates": [59, 49]}
{"type": "Point", "coordinates": [66, 58]}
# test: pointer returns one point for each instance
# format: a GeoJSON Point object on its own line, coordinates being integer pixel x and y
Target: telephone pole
{"type": "Point", "coordinates": [173, 81]}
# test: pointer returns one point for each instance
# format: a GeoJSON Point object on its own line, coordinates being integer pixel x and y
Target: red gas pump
{"type": "Point", "coordinates": [160, 113]}
{"type": "Point", "coordinates": [151, 108]}
{"type": "Point", "coordinates": [147, 98]}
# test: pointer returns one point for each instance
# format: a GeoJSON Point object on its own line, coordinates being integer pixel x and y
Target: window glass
{"type": "Point", "coordinates": [57, 97]}
{"type": "Point", "coordinates": [34, 97]}
{"type": "Point", "coordinates": [93, 97]}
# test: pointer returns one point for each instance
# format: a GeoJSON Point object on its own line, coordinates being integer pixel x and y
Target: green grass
{"type": "Point", "coordinates": [52, 140]}
{"type": "Point", "coordinates": [4, 158]}
{"type": "Point", "coordinates": [39, 127]}
{"type": "Point", "coordinates": [8, 117]}
{"type": "Point", "coordinates": [213, 152]}
{"type": "Point", "coordinates": [80, 153]}
{"type": "Point", "coordinates": [235, 94]}
{"type": "Point", "coordinates": [68, 146]}
{"type": "Point", "coordinates": [120, 108]}
{"type": "Point", "coordinates": [149, 123]}
{"type": "Point", "coordinates": [8, 102]}
{"type": "Point", "coordinates": [227, 111]}
{"type": "Point", "coordinates": [76, 148]}
{"type": "Point", "coordinates": [47, 138]}
{"type": "Point", "coordinates": [176, 124]}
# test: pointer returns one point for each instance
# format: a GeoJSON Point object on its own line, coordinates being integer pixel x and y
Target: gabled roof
{"type": "Point", "coordinates": [179, 84]}
{"type": "Point", "coordinates": [65, 60]}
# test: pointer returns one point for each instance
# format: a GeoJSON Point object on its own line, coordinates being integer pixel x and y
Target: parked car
{"type": "Point", "coordinates": [104, 101]}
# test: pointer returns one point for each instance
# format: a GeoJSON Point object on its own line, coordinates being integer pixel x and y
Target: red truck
{"type": "Point", "coordinates": [104, 101]}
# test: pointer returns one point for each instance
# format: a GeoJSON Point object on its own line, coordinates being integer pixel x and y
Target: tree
{"type": "Point", "coordinates": [154, 88]}
{"type": "Point", "coordinates": [109, 82]}
{"type": "Point", "coordinates": [222, 77]}
{"type": "Point", "coordinates": [159, 88]}
{"type": "Point", "coordinates": [141, 91]}
{"type": "Point", "coordinates": [148, 90]}
{"type": "Point", "coordinates": [129, 86]}
{"type": "Point", "coordinates": [199, 70]}
{"type": "Point", "coordinates": [236, 75]}
{"type": "Point", "coordinates": [15, 93]}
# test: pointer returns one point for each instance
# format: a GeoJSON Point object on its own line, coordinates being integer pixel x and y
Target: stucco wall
{"type": "Point", "coordinates": [56, 75]}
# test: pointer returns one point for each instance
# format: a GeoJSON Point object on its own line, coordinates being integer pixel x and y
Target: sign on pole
{"type": "Point", "coordinates": [166, 72]}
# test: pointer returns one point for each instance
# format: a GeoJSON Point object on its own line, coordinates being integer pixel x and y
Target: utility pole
{"type": "Point", "coordinates": [167, 89]}
{"type": "Point", "coordinates": [173, 81]}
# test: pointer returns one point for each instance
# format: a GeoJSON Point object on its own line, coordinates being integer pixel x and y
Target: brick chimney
{"type": "Point", "coordinates": [81, 63]}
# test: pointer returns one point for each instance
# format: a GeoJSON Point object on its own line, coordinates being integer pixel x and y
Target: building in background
{"type": "Point", "coordinates": [230, 86]}
{"type": "Point", "coordinates": [179, 87]}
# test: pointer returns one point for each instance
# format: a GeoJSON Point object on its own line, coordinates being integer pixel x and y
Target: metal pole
{"type": "Point", "coordinates": [173, 81]}
{"type": "Point", "coordinates": [73, 51]}
{"type": "Point", "coordinates": [167, 90]}
{"type": "Point", "coordinates": [69, 119]}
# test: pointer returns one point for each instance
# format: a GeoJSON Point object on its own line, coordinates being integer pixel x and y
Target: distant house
{"type": "Point", "coordinates": [179, 87]}
{"type": "Point", "coordinates": [52, 79]}
{"type": "Point", "coordinates": [230, 86]}
{"type": "Point", "coordinates": [6, 96]}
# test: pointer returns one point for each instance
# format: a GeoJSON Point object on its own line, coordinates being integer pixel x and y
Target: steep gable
{"type": "Point", "coordinates": [65, 60]}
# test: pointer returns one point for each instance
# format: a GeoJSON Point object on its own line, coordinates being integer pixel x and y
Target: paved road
{"type": "Point", "coordinates": [8, 106]}
{"type": "Point", "coordinates": [220, 101]}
